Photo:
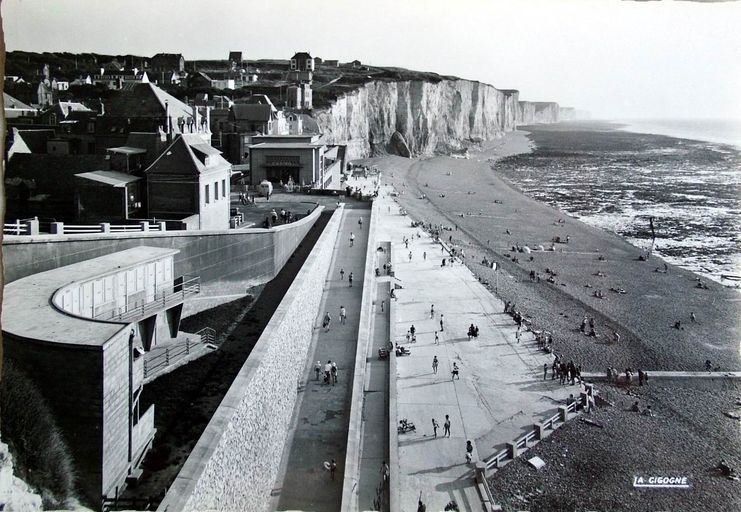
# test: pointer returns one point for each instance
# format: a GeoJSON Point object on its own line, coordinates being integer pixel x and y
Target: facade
{"type": "Point", "coordinates": [190, 182]}
{"type": "Point", "coordinates": [106, 196]}
{"type": "Point", "coordinates": [235, 60]}
{"type": "Point", "coordinates": [299, 97]}
{"type": "Point", "coordinates": [302, 61]}
{"type": "Point", "coordinates": [81, 333]}
{"type": "Point", "coordinates": [167, 62]}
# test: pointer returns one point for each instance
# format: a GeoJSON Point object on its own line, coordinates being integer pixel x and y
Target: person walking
{"type": "Point", "coordinates": [383, 303]}
{"type": "Point", "coordinates": [455, 372]}
{"type": "Point", "coordinates": [328, 371]}
{"type": "Point", "coordinates": [326, 322]}
{"type": "Point", "coordinates": [332, 469]}
{"type": "Point", "coordinates": [343, 314]}
{"type": "Point", "coordinates": [545, 371]}
{"type": "Point", "coordinates": [349, 279]}
{"type": "Point", "coordinates": [352, 238]}
{"type": "Point", "coordinates": [432, 311]}
{"type": "Point", "coordinates": [318, 369]}
{"type": "Point", "coordinates": [342, 274]}
{"type": "Point", "coordinates": [437, 338]}
{"type": "Point", "coordinates": [442, 324]}
{"type": "Point", "coordinates": [446, 426]}
{"type": "Point", "coordinates": [333, 372]}
{"type": "Point", "coordinates": [693, 318]}
{"type": "Point", "coordinates": [434, 364]}
{"type": "Point", "coordinates": [360, 223]}
{"type": "Point", "coordinates": [434, 427]}
{"type": "Point", "coordinates": [517, 334]}
{"type": "Point", "coordinates": [469, 452]}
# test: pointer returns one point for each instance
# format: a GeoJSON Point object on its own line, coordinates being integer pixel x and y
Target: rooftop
{"type": "Point", "coordinates": [27, 306]}
{"type": "Point", "coordinates": [289, 145]}
{"type": "Point", "coordinates": [113, 178]}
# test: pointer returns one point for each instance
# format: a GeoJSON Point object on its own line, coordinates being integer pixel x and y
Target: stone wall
{"type": "Point", "coordinates": [233, 259]}
{"type": "Point", "coordinates": [235, 463]}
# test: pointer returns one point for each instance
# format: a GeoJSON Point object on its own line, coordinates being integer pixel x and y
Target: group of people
{"type": "Point", "coordinates": [330, 372]}
{"type": "Point", "coordinates": [567, 373]}
{"type": "Point", "coordinates": [614, 376]}
{"type": "Point", "coordinates": [583, 326]}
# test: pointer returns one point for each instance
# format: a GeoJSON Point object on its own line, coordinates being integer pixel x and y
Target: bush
{"type": "Point", "coordinates": [42, 457]}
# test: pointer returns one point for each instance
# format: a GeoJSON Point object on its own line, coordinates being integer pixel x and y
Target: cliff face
{"type": "Point", "coordinates": [429, 117]}
{"type": "Point", "coordinates": [533, 112]}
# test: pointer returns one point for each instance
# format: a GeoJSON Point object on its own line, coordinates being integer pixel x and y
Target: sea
{"type": "Point", "coordinates": [684, 174]}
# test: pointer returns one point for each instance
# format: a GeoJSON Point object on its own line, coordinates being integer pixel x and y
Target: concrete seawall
{"type": "Point", "coordinates": [235, 462]}
{"type": "Point", "coordinates": [234, 259]}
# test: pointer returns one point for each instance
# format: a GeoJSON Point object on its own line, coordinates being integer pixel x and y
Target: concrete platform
{"type": "Point", "coordinates": [500, 393]}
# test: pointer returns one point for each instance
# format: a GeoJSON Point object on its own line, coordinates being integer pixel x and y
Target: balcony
{"type": "Point", "coordinates": [183, 287]}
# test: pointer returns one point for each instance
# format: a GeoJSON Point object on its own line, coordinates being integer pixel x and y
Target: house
{"type": "Point", "coordinates": [302, 61]}
{"type": "Point", "coordinates": [167, 62]}
{"type": "Point", "coordinates": [144, 107]}
{"type": "Point", "coordinates": [235, 60]}
{"type": "Point", "coordinates": [332, 63]}
{"type": "Point", "coordinates": [16, 108]}
{"type": "Point", "coordinates": [60, 112]}
{"type": "Point", "coordinates": [45, 93]}
{"type": "Point", "coordinates": [299, 96]}
{"type": "Point", "coordinates": [356, 64]}
{"type": "Point", "coordinates": [300, 158]}
{"type": "Point", "coordinates": [190, 182]}
{"type": "Point", "coordinates": [108, 196]}
{"type": "Point", "coordinates": [318, 61]}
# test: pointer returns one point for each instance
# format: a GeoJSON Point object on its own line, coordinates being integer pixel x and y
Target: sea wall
{"type": "Point", "coordinates": [428, 117]}
{"type": "Point", "coordinates": [534, 112]}
{"type": "Point", "coordinates": [235, 463]}
{"type": "Point", "coordinates": [231, 259]}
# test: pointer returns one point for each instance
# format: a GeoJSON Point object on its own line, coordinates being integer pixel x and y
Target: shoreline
{"type": "Point", "coordinates": [643, 317]}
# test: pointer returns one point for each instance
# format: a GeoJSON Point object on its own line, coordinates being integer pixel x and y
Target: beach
{"type": "Point", "coordinates": [487, 217]}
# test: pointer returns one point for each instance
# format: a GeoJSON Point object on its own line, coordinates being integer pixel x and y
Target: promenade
{"type": "Point", "coordinates": [501, 391]}
{"type": "Point", "coordinates": [320, 425]}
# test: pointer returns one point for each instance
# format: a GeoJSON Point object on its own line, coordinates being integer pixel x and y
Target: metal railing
{"type": "Point", "coordinates": [22, 227]}
{"type": "Point", "coordinates": [181, 289]}
{"type": "Point", "coordinates": [154, 364]}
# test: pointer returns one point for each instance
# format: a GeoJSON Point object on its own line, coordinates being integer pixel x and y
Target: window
{"type": "Point", "coordinates": [208, 199]}
{"type": "Point", "coordinates": [293, 64]}
{"type": "Point", "coordinates": [216, 190]}
{"type": "Point", "coordinates": [223, 188]}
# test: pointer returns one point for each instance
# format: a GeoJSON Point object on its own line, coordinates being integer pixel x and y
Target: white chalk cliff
{"type": "Point", "coordinates": [420, 117]}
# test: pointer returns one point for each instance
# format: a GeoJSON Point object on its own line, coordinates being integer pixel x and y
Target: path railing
{"type": "Point", "coordinates": [182, 288]}
{"type": "Point", "coordinates": [21, 227]}
{"type": "Point", "coordinates": [154, 363]}
{"type": "Point", "coordinates": [31, 227]}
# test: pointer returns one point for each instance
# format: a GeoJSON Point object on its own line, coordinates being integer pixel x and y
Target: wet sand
{"type": "Point", "coordinates": [487, 216]}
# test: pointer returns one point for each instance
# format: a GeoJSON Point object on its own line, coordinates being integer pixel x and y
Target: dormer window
{"type": "Point", "coordinates": [293, 64]}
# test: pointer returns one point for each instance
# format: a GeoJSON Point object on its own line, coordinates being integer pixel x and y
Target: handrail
{"type": "Point", "coordinates": [182, 290]}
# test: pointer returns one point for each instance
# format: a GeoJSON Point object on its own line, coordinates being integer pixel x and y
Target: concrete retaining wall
{"type": "Point", "coordinates": [235, 462]}
{"type": "Point", "coordinates": [232, 259]}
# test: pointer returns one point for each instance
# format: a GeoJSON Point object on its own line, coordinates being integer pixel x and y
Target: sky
{"type": "Point", "coordinates": [617, 59]}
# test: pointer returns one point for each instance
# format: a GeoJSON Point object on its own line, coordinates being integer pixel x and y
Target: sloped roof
{"type": "Point", "coordinates": [10, 102]}
{"type": "Point", "coordinates": [301, 55]}
{"type": "Point", "coordinates": [251, 112]}
{"type": "Point", "coordinates": [113, 178]}
{"type": "Point", "coordinates": [36, 140]}
{"type": "Point", "coordinates": [72, 106]}
{"type": "Point", "coordinates": [145, 100]}
{"type": "Point", "coordinates": [153, 143]}
{"type": "Point", "coordinates": [180, 157]}
{"type": "Point", "coordinates": [53, 172]}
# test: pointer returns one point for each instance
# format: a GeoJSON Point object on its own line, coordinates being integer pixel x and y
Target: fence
{"type": "Point", "coordinates": [155, 363]}
{"type": "Point", "coordinates": [183, 287]}
{"type": "Point", "coordinates": [498, 460]}
{"type": "Point", "coordinates": [32, 227]}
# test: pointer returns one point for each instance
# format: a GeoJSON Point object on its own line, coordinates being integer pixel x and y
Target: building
{"type": "Point", "coordinates": [108, 196]}
{"type": "Point", "coordinates": [299, 96]}
{"type": "Point", "coordinates": [300, 158]}
{"type": "Point", "coordinates": [302, 61]}
{"type": "Point", "coordinates": [144, 107]}
{"type": "Point", "coordinates": [81, 333]}
{"type": "Point", "coordinates": [189, 182]}
{"type": "Point", "coordinates": [15, 108]}
{"type": "Point", "coordinates": [167, 62]}
{"type": "Point", "coordinates": [235, 60]}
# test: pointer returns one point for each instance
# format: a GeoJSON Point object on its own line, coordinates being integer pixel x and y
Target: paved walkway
{"type": "Point", "coordinates": [320, 432]}
{"type": "Point", "coordinates": [501, 391]}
